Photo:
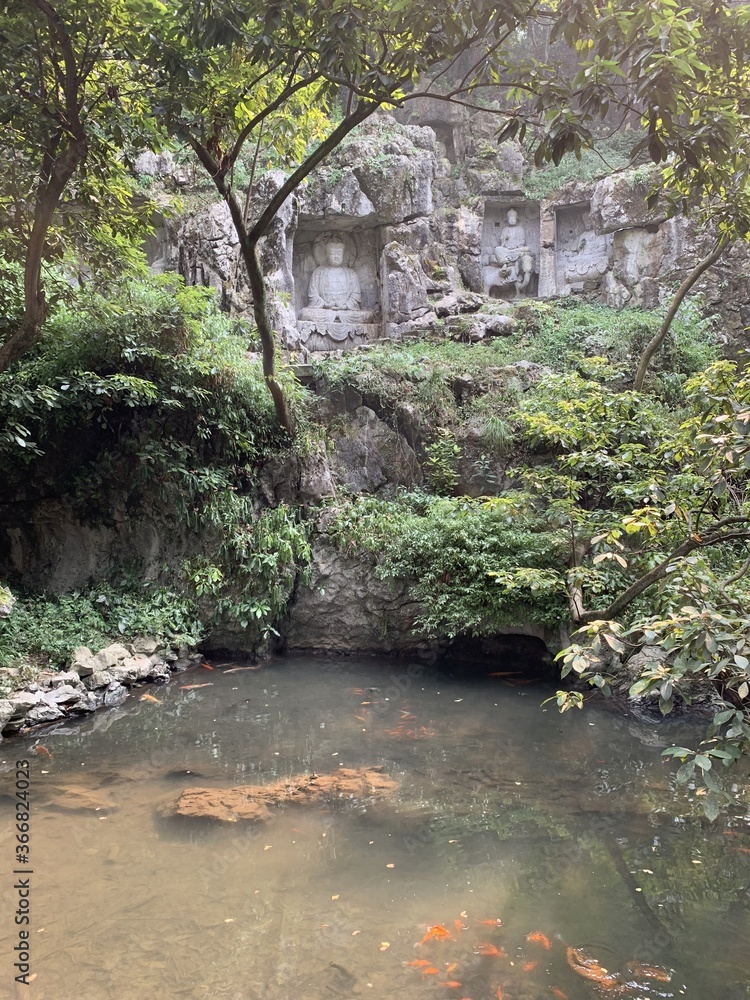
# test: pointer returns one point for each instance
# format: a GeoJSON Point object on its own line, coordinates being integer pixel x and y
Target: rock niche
{"type": "Point", "coordinates": [336, 289]}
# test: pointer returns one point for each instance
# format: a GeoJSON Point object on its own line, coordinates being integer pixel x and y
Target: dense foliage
{"type": "Point", "coordinates": [44, 630]}
{"type": "Point", "coordinates": [478, 565]}
{"type": "Point", "coordinates": [623, 512]}
{"type": "Point", "coordinates": [144, 400]}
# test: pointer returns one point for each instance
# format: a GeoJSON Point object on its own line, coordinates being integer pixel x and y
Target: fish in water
{"type": "Point", "coordinates": [558, 993]}
{"type": "Point", "coordinates": [490, 923]}
{"type": "Point", "coordinates": [490, 951]}
{"type": "Point", "coordinates": [419, 963]}
{"type": "Point", "coordinates": [150, 697]}
{"type": "Point", "coordinates": [431, 971]}
{"type": "Point", "coordinates": [41, 751]}
{"type": "Point", "coordinates": [529, 966]}
{"type": "Point", "coordinates": [590, 969]}
{"type": "Point", "coordinates": [236, 670]}
{"type": "Point", "coordinates": [192, 687]}
{"type": "Point", "coordinates": [451, 984]}
{"type": "Point", "coordinates": [649, 972]}
{"type": "Point", "coordinates": [538, 938]}
{"type": "Point", "coordinates": [437, 932]}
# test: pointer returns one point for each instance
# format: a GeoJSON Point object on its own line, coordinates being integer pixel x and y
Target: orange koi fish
{"type": "Point", "coordinates": [490, 923]}
{"type": "Point", "coordinates": [237, 670]}
{"type": "Point", "coordinates": [361, 718]}
{"type": "Point", "coordinates": [418, 963]}
{"type": "Point", "coordinates": [529, 966]}
{"type": "Point", "coordinates": [558, 993]}
{"type": "Point", "coordinates": [191, 687]}
{"type": "Point", "coordinates": [150, 697]}
{"type": "Point", "coordinates": [589, 968]}
{"type": "Point", "coordinates": [431, 971]}
{"type": "Point", "coordinates": [490, 951]}
{"type": "Point", "coordinates": [41, 751]}
{"type": "Point", "coordinates": [437, 932]}
{"type": "Point", "coordinates": [451, 968]}
{"type": "Point", "coordinates": [538, 938]}
{"type": "Point", "coordinates": [500, 993]}
{"type": "Point", "coordinates": [459, 926]}
{"type": "Point", "coordinates": [742, 850]}
{"type": "Point", "coordinates": [451, 984]}
{"type": "Point", "coordinates": [649, 972]}
{"type": "Point", "coordinates": [207, 666]}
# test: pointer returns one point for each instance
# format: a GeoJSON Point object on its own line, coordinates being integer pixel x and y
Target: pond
{"type": "Point", "coordinates": [533, 855]}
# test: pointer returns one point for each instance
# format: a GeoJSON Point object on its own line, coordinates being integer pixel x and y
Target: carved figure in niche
{"type": "Point", "coordinates": [334, 293]}
{"type": "Point", "coordinates": [588, 262]}
{"type": "Point", "coordinates": [513, 256]}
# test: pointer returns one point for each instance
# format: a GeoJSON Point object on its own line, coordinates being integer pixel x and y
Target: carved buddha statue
{"type": "Point", "coordinates": [334, 294]}
{"type": "Point", "coordinates": [511, 262]}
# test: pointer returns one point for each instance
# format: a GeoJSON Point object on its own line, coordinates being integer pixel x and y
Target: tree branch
{"type": "Point", "coordinates": [659, 572]}
{"type": "Point", "coordinates": [656, 341]}
{"type": "Point", "coordinates": [292, 182]}
{"type": "Point", "coordinates": [285, 94]}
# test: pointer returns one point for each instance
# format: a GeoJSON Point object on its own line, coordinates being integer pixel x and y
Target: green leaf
{"type": "Point", "coordinates": [685, 773]}
{"type": "Point", "coordinates": [711, 807]}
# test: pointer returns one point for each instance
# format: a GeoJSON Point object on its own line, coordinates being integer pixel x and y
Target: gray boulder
{"type": "Point", "coordinates": [45, 711]}
{"type": "Point", "coordinates": [131, 669]}
{"type": "Point", "coordinates": [6, 713]}
{"type": "Point", "coordinates": [83, 662]}
{"type": "Point", "coordinates": [115, 694]}
{"type": "Point", "coordinates": [99, 679]}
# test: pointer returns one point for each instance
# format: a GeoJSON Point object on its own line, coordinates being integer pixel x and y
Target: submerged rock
{"type": "Point", "coordinates": [252, 802]}
{"type": "Point", "coordinates": [80, 798]}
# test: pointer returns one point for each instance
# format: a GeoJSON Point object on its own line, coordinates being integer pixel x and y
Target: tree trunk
{"type": "Point", "coordinates": [656, 341]}
{"type": "Point", "coordinates": [249, 253]}
{"type": "Point", "coordinates": [265, 331]}
{"type": "Point", "coordinates": [35, 305]}
{"type": "Point", "coordinates": [249, 239]}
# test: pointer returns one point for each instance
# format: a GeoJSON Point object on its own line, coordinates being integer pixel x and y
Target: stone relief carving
{"type": "Point", "coordinates": [337, 294]}
{"type": "Point", "coordinates": [510, 251]}
{"type": "Point", "coordinates": [582, 255]}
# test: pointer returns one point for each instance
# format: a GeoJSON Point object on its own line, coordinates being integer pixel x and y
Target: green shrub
{"type": "Point", "coordinates": [440, 466]}
{"type": "Point", "coordinates": [45, 629]}
{"type": "Point", "coordinates": [477, 565]}
{"type": "Point", "coordinates": [145, 396]}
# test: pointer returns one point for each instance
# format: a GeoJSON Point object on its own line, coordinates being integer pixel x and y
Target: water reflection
{"type": "Point", "coordinates": [566, 827]}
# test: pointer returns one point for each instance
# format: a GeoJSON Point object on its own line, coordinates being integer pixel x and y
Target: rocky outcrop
{"type": "Point", "coordinates": [93, 680]}
{"type": "Point", "coordinates": [345, 608]}
{"type": "Point", "coordinates": [367, 455]}
{"type": "Point", "coordinates": [697, 692]}
{"type": "Point", "coordinates": [46, 545]}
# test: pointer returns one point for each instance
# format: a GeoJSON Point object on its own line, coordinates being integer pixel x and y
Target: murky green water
{"type": "Point", "coordinates": [567, 827]}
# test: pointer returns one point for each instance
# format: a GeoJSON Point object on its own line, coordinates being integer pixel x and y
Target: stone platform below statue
{"type": "Point", "coordinates": [336, 334]}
